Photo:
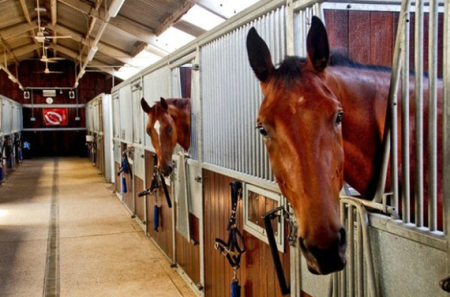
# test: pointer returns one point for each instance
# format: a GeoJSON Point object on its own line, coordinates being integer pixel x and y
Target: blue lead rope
{"type": "Point", "coordinates": [235, 288]}
{"type": "Point", "coordinates": [156, 211]}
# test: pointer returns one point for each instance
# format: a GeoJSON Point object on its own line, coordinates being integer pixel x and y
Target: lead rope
{"type": "Point", "coordinates": [158, 181]}
{"type": "Point", "coordinates": [235, 246]}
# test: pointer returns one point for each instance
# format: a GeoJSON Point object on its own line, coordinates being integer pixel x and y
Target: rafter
{"type": "Point", "coordinates": [103, 48]}
{"type": "Point", "coordinates": [171, 19]}
{"type": "Point", "coordinates": [74, 55]}
{"type": "Point", "coordinates": [27, 17]}
{"type": "Point", "coordinates": [17, 30]}
{"type": "Point", "coordinates": [54, 12]}
{"type": "Point", "coordinates": [122, 23]}
{"type": "Point", "coordinates": [91, 25]}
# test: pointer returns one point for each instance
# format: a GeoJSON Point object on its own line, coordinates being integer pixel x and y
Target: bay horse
{"type": "Point", "coordinates": [169, 124]}
{"type": "Point", "coordinates": [322, 120]}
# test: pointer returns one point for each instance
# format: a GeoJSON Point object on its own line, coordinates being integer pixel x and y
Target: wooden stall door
{"type": "Point", "coordinates": [140, 202]}
{"type": "Point", "coordinates": [257, 273]}
{"type": "Point", "coordinates": [188, 253]}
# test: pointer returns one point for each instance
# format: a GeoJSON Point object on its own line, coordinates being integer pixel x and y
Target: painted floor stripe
{"type": "Point", "coordinates": [51, 281]}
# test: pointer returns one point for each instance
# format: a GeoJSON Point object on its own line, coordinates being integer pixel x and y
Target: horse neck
{"type": "Point", "coordinates": [363, 95]}
{"type": "Point", "coordinates": [182, 119]}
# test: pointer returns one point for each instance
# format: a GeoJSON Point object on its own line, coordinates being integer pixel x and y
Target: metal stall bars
{"type": "Point", "coordinates": [415, 231]}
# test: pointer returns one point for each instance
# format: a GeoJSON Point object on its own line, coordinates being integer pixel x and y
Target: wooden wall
{"type": "Point", "coordinates": [369, 37]}
{"type": "Point", "coordinates": [257, 273]}
{"type": "Point", "coordinates": [54, 143]}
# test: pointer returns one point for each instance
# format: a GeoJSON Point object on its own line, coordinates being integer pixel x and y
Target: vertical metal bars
{"type": "Point", "coordinates": [231, 97]}
{"type": "Point", "coordinates": [405, 123]}
{"type": "Point", "coordinates": [418, 66]}
{"type": "Point", "coordinates": [432, 114]}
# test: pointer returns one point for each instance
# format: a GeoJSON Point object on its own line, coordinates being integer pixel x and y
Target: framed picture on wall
{"type": "Point", "coordinates": [55, 116]}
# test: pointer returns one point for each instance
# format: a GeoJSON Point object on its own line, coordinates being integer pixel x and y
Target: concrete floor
{"type": "Point", "coordinates": [102, 252]}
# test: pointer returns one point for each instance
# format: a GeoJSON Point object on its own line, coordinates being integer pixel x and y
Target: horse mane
{"type": "Point", "coordinates": [179, 103]}
{"type": "Point", "coordinates": [291, 66]}
{"type": "Point", "coordinates": [339, 59]}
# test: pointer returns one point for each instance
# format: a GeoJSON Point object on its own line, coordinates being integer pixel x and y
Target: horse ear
{"type": "Point", "coordinates": [317, 45]}
{"type": "Point", "coordinates": [164, 104]}
{"type": "Point", "coordinates": [259, 55]}
{"type": "Point", "coordinates": [145, 106]}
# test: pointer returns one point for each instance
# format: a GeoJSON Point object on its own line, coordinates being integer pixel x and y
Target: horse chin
{"type": "Point", "coordinates": [314, 268]}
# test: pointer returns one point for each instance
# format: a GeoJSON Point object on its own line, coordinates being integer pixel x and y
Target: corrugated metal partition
{"type": "Point", "coordinates": [156, 85]}
{"type": "Point", "coordinates": [10, 133]}
{"type": "Point", "coordinates": [231, 97]}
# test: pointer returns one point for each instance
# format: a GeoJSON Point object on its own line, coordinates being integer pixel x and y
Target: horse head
{"type": "Point", "coordinates": [300, 122]}
{"type": "Point", "coordinates": [162, 130]}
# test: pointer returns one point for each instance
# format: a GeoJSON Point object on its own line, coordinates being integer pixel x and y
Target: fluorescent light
{"type": "Point", "coordinates": [115, 8]}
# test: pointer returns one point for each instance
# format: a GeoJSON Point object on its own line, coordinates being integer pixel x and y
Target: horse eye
{"type": "Point", "coordinates": [169, 129]}
{"type": "Point", "coordinates": [339, 117]}
{"type": "Point", "coordinates": [262, 131]}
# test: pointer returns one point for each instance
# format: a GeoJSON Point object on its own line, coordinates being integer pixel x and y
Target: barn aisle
{"type": "Point", "coordinates": [61, 229]}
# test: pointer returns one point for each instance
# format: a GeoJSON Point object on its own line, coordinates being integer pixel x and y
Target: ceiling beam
{"type": "Point", "coordinates": [54, 11]}
{"type": "Point", "coordinates": [17, 30]}
{"type": "Point", "coordinates": [122, 23]}
{"type": "Point", "coordinates": [27, 17]}
{"type": "Point", "coordinates": [103, 48]}
{"type": "Point", "coordinates": [91, 25]}
{"type": "Point", "coordinates": [22, 51]}
{"type": "Point", "coordinates": [74, 55]}
{"type": "Point", "coordinates": [171, 19]}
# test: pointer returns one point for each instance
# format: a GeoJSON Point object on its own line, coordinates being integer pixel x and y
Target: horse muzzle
{"type": "Point", "coordinates": [323, 261]}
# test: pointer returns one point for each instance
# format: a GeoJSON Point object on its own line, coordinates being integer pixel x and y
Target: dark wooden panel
{"type": "Point", "coordinates": [337, 27]}
{"type": "Point", "coordinates": [56, 143]}
{"type": "Point", "coordinates": [140, 205]}
{"type": "Point", "coordinates": [369, 37]}
{"type": "Point", "coordinates": [127, 197]}
{"type": "Point", "coordinates": [359, 37]}
{"type": "Point", "coordinates": [188, 254]}
{"type": "Point", "coordinates": [186, 79]}
{"type": "Point", "coordinates": [257, 274]}
{"type": "Point", "coordinates": [382, 38]}
{"type": "Point", "coordinates": [164, 235]}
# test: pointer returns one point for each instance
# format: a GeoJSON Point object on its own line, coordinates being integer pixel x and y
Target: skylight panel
{"type": "Point", "coordinates": [173, 39]}
{"type": "Point", "coordinates": [126, 72]}
{"type": "Point", "coordinates": [139, 62]}
{"type": "Point", "coordinates": [202, 18]}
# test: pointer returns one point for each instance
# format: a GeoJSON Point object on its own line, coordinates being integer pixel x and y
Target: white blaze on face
{"type": "Point", "coordinates": [157, 127]}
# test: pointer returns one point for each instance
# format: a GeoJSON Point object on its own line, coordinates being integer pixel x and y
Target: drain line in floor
{"type": "Point", "coordinates": [51, 281]}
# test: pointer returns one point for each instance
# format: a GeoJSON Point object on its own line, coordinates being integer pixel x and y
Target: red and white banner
{"type": "Point", "coordinates": [55, 116]}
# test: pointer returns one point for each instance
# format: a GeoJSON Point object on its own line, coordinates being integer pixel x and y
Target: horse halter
{"type": "Point", "coordinates": [235, 246]}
